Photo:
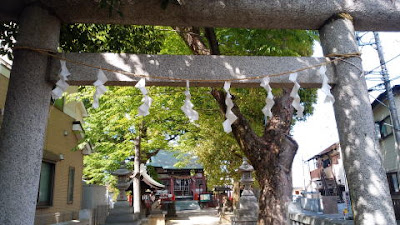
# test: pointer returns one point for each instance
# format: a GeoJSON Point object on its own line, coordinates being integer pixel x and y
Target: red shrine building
{"type": "Point", "coordinates": [182, 175]}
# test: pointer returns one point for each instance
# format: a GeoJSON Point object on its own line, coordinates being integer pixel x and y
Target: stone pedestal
{"type": "Point", "coordinates": [247, 213]}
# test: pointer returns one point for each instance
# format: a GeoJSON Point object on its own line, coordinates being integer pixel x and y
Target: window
{"type": "Point", "coordinates": [46, 183]}
{"type": "Point", "coordinates": [385, 127]}
{"type": "Point", "coordinates": [71, 177]}
{"type": "Point", "coordinates": [326, 163]}
{"type": "Point", "coordinates": [393, 183]}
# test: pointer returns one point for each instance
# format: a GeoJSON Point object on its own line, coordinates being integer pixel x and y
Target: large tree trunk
{"type": "Point", "coordinates": [276, 188]}
{"type": "Point", "coordinates": [272, 154]}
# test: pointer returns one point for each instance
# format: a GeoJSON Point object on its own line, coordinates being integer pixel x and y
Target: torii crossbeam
{"type": "Point", "coordinates": [206, 71]}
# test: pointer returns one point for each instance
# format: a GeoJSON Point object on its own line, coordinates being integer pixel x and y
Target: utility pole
{"type": "Point", "coordinates": [389, 92]}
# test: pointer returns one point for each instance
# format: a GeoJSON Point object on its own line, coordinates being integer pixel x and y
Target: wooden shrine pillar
{"type": "Point", "coordinates": [23, 130]}
{"type": "Point", "coordinates": [369, 191]}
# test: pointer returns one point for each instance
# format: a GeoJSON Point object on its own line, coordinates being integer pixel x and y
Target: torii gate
{"type": "Point", "coordinates": [28, 98]}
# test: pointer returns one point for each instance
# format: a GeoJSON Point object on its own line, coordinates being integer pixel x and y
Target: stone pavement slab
{"type": "Point", "coordinates": [197, 217]}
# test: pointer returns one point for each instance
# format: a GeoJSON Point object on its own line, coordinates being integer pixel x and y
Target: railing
{"type": "Point", "coordinates": [302, 219]}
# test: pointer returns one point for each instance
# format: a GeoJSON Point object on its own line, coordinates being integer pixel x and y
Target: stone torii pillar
{"type": "Point", "coordinates": [23, 130]}
{"type": "Point", "coordinates": [369, 192]}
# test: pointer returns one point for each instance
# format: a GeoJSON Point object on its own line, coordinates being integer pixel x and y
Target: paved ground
{"type": "Point", "coordinates": [197, 217]}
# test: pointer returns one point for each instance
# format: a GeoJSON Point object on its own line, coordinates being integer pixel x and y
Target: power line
{"type": "Point", "coordinates": [373, 70]}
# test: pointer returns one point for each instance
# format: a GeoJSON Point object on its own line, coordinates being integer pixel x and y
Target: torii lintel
{"type": "Point", "coordinates": [207, 71]}
{"type": "Point", "coordinates": [379, 15]}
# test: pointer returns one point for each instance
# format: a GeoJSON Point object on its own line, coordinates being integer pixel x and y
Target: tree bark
{"type": "Point", "coordinates": [191, 36]}
{"type": "Point", "coordinates": [136, 178]}
{"type": "Point", "coordinates": [136, 166]}
{"type": "Point", "coordinates": [272, 154]}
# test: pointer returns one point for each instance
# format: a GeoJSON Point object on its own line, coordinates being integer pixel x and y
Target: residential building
{"type": "Point", "coordinates": [60, 188]}
{"type": "Point", "coordinates": [327, 173]}
{"type": "Point", "coordinates": [387, 143]}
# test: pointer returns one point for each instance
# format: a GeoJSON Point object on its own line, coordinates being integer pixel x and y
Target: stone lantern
{"type": "Point", "coordinates": [122, 213]}
{"type": "Point", "coordinates": [122, 175]}
{"type": "Point", "coordinates": [247, 180]}
{"type": "Point", "coordinates": [247, 213]}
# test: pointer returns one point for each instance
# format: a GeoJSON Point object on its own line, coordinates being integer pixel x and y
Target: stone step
{"type": "Point", "coordinates": [122, 214]}
{"type": "Point", "coordinates": [117, 211]}
{"type": "Point", "coordinates": [130, 223]}
{"type": "Point", "coordinates": [120, 218]}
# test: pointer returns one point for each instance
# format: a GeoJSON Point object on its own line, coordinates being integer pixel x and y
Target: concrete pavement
{"type": "Point", "coordinates": [207, 216]}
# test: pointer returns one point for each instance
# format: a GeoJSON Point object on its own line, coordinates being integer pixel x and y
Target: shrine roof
{"type": "Point", "coordinates": [170, 160]}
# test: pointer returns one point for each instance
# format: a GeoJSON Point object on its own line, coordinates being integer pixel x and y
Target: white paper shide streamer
{"type": "Point", "coordinates": [326, 88]}
{"type": "Point", "coordinates": [187, 108]}
{"type": "Point", "coordinates": [61, 85]}
{"type": "Point", "coordinates": [270, 97]}
{"type": "Point", "coordinates": [230, 117]}
{"type": "Point", "coordinates": [295, 95]}
{"type": "Point", "coordinates": [144, 108]}
{"type": "Point", "coordinates": [100, 88]}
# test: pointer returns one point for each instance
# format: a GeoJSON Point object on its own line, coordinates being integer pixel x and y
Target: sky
{"type": "Point", "coordinates": [319, 131]}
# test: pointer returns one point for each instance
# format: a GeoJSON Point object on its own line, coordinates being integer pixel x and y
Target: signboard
{"type": "Point", "coordinates": [205, 197]}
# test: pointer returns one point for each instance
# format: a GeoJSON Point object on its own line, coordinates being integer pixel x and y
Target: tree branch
{"type": "Point", "coordinates": [191, 35]}
{"type": "Point", "coordinates": [282, 112]}
{"type": "Point", "coordinates": [240, 128]}
{"type": "Point", "coordinates": [212, 40]}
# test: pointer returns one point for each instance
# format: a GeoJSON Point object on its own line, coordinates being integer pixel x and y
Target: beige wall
{"type": "Point", "coordinates": [4, 77]}
{"type": "Point", "coordinates": [3, 90]}
{"type": "Point", "coordinates": [61, 140]}
{"type": "Point", "coordinates": [75, 109]}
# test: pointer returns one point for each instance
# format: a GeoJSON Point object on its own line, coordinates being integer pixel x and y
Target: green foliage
{"type": "Point", "coordinates": [217, 151]}
{"type": "Point", "coordinates": [173, 43]}
{"type": "Point", "coordinates": [257, 42]}
{"type": "Point", "coordinates": [111, 38]}
{"type": "Point", "coordinates": [112, 127]}
{"type": "Point", "coordinates": [109, 128]}
{"type": "Point", "coordinates": [153, 173]}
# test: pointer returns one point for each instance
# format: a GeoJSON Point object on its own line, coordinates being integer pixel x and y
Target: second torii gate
{"type": "Point", "coordinates": [28, 98]}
